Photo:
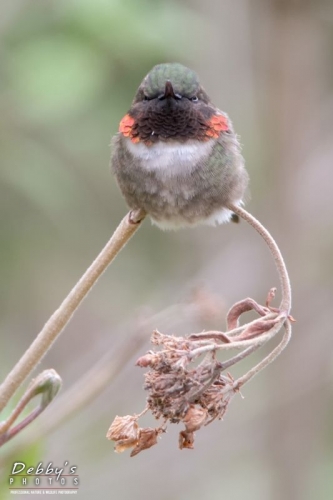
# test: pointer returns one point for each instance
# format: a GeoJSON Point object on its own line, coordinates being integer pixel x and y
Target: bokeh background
{"type": "Point", "coordinates": [68, 72]}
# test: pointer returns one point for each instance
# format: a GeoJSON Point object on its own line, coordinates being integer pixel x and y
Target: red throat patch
{"type": "Point", "coordinates": [216, 124]}
{"type": "Point", "coordinates": [125, 127]}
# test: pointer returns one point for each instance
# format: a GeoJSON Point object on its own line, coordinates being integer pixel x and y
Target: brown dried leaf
{"type": "Point", "coordinates": [147, 439]}
{"type": "Point", "coordinates": [258, 328]}
{"type": "Point", "coordinates": [215, 335]}
{"type": "Point", "coordinates": [241, 307]}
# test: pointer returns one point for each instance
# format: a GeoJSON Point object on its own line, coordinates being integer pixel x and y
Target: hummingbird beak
{"type": "Point", "coordinates": [168, 91]}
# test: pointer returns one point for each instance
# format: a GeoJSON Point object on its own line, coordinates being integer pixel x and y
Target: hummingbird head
{"type": "Point", "coordinates": [170, 104]}
{"type": "Point", "coordinates": [171, 80]}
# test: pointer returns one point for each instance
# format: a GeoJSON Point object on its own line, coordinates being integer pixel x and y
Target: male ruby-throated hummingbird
{"type": "Point", "coordinates": [176, 155]}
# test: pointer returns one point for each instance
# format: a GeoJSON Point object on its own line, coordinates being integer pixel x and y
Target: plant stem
{"type": "Point", "coordinates": [47, 384]}
{"type": "Point", "coordinates": [239, 357]}
{"type": "Point", "coordinates": [61, 316]}
{"type": "Point", "coordinates": [268, 359]}
{"type": "Point", "coordinates": [281, 267]}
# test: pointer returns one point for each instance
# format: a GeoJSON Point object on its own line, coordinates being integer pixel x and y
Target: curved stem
{"type": "Point", "coordinates": [259, 341]}
{"type": "Point", "coordinates": [61, 316]}
{"type": "Point", "coordinates": [281, 267]}
{"type": "Point", "coordinates": [239, 357]}
{"type": "Point", "coordinates": [268, 359]}
{"type": "Point", "coordinates": [210, 334]}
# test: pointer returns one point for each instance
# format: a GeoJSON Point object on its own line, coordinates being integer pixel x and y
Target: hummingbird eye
{"type": "Point", "coordinates": [194, 98]}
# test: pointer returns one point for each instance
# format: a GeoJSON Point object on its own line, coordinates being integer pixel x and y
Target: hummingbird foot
{"type": "Point", "coordinates": [136, 216]}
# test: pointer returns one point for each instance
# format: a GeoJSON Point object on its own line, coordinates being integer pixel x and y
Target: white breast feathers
{"type": "Point", "coordinates": [171, 157]}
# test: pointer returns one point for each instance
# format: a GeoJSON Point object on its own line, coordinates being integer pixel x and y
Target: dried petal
{"type": "Point", "coordinates": [123, 430]}
{"type": "Point", "coordinates": [270, 297]}
{"type": "Point", "coordinates": [147, 439]}
{"type": "Point", "coordinates": [186, 440]}
{"type": "Point", "coordinates": [195, 417]}
{"type": "Point", "coordinates": [124, 445]}
{"type": "Point", "coordinates": [146, 360]}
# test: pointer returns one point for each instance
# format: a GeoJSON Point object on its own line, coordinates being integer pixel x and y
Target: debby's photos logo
{"type": "Point", "coordinates": [43, 479]}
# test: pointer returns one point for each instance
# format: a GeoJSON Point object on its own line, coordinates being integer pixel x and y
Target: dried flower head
{"type": "Point", "coordinates": [185, 381]}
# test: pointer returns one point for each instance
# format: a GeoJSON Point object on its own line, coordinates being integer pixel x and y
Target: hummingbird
{"type": "Point", "coordinates": [176, 155]}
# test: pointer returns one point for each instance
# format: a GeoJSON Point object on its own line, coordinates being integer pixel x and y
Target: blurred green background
{"type": "Point", "coordinates": [68, 72]}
